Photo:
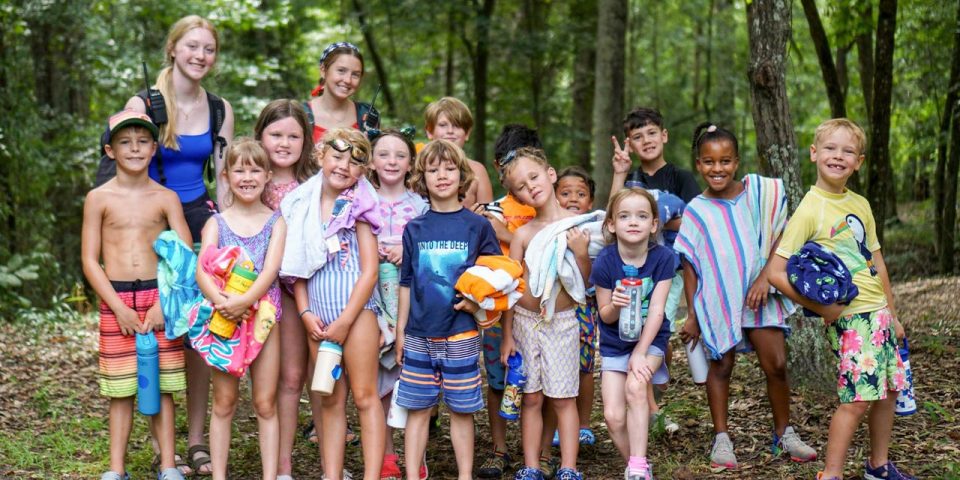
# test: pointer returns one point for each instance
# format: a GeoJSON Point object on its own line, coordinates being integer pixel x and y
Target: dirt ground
{"type": "Point", "coordinates": [54, 422]}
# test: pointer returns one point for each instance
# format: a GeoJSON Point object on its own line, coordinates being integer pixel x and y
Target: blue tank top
{"type": "Point", "coordinates": [184, 168]}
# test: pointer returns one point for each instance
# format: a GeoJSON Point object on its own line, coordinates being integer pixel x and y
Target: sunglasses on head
{"type": "Point", "coordinates": [408, 132]}
{"type": "Point", "coordinates": [357, 156]}
{"type": "Point", "coordinates": [506, 159]}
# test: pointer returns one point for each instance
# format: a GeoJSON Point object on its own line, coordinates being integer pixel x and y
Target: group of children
{"type": "Point", "coordinates": [327, 226]}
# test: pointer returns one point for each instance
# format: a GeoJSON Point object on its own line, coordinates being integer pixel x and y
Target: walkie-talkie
{"type": "Point", "coordinates": [156, 107]}
{"type": "Point", "coordinates": [371, 119]}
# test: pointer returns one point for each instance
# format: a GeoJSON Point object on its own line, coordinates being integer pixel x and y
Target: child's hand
{"type": "Point", "coordinates": [466, 305]}
{"type": "Point", "coordinates": [619, 297]}
{"type": "Point", "coordinates": [153, 320]}
{"type": "Point", "coordinates": [690, 331]}
{"type": "Point", "coordinates": [128, 321]}
{"type": "Point", "coordinates": [898, 329]}
{"type": "Point", "coordinates": [394, 254]}
{"type": "Point", "coordinates": [757, 295]}
{"type": "Point", "coordinates": [639, 367]}
{"type": "Point", "coordinates": [507, 348]}
{"type": "Point", "coordinates": [313, 325]}
{"type": "Point", "coordinates": [235, 307]}
{"type": "Point", "coordinates": [831, 313]}
{"type": "Point", "coordinates": [398, 348]}
{"type": "Point", "coordinates": [578, 241]}
{"type": "Point", "coordinates": [336, 332]}
{"type": "Point", "coordinates": [621, 156]}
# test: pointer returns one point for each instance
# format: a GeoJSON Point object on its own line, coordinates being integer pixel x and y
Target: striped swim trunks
{"type": "Point", "coordinates": [449, 365]}
{"type": "Point", "coordinates": [118, 352]}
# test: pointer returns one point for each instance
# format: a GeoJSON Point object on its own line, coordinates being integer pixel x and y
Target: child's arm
{"type": "Point", "coordinates": [621, 164]}
{"type": "Point", "coordinates": [369, 269]}
{"type": "Point", "coordinates": [577, 241]}
{"type": "Point", "coordinates": [609, 303]}
{"type": "Point", "coordinates": [651, 327]}
{"type": "Point", "coordinates": [881, 267]}
{"type": "Point", "coordinates": [209, 238]}
{"type": "Point", "coordinates": [507, 345]}
{"type": "Point", "coordinates": [237, 305]}
{"type": "Point", "coordinates": [311, 322]}
{"type": "Point", "coordinates": [403, 314]}
{"type": "Point", "coordinates": [757, 294]}
{"type": "Point", "coordinates": [778, 278]}
{"type": "Point", "coordinates": [90, 245]}
{"type": "Point", "coordinates": [170, 204]}
{"type": "Point", "coordinates": [690, 332]}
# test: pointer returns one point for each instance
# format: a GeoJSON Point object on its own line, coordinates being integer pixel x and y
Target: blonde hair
{"type": "Point", "coordinates": [350, 135]}
{"type": "Point", "coordinates": [537, 155]}
{"type": "Point", "coordinates": [168, 131]}
{"type": "Point", "coordinates": [455, 110]}
{"type": "Point", "coordinates": [439, 151]}
{"type": "Point", "coordinates": [616, 199]}
{"type": "Point", "coordinates": [834, 124]}
{"type": "Point", "coordinates": [244, 151]}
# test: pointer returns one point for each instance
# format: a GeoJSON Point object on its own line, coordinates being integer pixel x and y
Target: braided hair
{"type": "Point", "coordinates": [709, 132]}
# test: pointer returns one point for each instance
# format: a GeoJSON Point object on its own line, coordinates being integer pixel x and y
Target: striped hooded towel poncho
{"type": "Point", "coordinates": [727, 242]}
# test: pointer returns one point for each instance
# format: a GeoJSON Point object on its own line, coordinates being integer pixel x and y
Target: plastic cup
{"type": "Point", "coordinates": [698, 362]}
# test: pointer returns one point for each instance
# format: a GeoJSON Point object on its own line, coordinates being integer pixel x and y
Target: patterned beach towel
{"type": "Point", "coordinates": [176, 281]}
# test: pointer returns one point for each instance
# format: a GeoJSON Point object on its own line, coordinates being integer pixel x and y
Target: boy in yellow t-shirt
{"type": "Point", "coordinates": [864, 333]}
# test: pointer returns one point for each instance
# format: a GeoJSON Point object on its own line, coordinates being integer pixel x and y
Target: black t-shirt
{"type": "Point", "coordinates": [670, 178]}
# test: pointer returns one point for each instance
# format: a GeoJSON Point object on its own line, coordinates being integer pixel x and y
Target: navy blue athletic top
{"type": "Point", "coordinates": [184, 168]}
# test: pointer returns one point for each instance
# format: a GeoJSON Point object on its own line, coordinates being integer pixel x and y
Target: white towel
{"type": "Point", "coordinates": [304, 251]}
{"type": "Point", "coordinates": [552, 265]}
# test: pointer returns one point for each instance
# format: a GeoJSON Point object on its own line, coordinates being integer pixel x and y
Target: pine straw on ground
{"type": "Point", "coordinates": [54, 421]}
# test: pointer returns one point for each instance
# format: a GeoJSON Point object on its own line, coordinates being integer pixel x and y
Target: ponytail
{"type": "Point", "coordinates": [708, 132]}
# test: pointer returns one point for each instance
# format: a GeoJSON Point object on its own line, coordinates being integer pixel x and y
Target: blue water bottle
{"type": "Point", "coordinates": [148, 374]}
{"type": "Point", "coordinates": [631, 317]}
{"type": "Point", "coordinates": [513, 388]}
{"type": "Point", "coordinates": [906, 402]}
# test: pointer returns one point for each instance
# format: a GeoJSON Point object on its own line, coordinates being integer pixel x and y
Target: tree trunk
{"type": "Point", "coordinates": [608, 97]}
{"type": "Point", "coordinates": [865, 54]}
{"type": "Point", "coordinates": [584, 61]}
{"type": "Point", "coordinates": [821, 44]}
{"type": "Point", "coordinates": [724, 90]}
{"type": "Point", "coordinates": [449, 58]}
{"type": "Point", "coordinates": [944, 241]}
{"type": "Point", "coordinates": [481, 60]}
{"type": "Point", "coordinates": [881, 189]}
{"type": "Point", "coordinates": [535, 20]}
{"type": "Point", "coordinates": [768, 23]}
{"type": "Point", "coordinates": [374, 55]}
{"type": "Point", "coordinates": [947, 263]}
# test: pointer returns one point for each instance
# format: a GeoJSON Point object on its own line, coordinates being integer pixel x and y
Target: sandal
{"type": "Point", "coordinates": [352, 439]}
{"type": "Point", "coordinates": [199, 457]}
{"type": "Point", "coordinates": [182, 466]}
{"type": "Point", "coordinates": [309, 432]}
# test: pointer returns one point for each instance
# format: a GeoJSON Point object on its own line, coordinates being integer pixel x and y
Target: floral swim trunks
{"type": "Point", "coordinates": [869, 360]}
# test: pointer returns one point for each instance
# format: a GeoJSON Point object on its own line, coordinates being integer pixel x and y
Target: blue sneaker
{"type": "Point", "coordinates": [884, 472]}
{"type": "Point", "coordinates": [528, 473]}
{"type": "Point", "coordinates": [567, 473]}
{"type": "Point", "coordinates": [587, 437]}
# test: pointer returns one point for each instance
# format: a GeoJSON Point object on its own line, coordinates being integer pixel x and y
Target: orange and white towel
{"type": "Point", "coordinates": [495, 283]}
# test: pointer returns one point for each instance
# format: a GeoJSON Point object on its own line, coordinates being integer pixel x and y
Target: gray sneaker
{"type": "Point", "coordinates": [669, 426]}
{"type": "Point", "coordinates": [790, 442]}
{"type": "Point", "coordinates": [722, 456]}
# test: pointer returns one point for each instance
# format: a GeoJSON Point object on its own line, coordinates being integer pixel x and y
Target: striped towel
{"type": "Point", "coordinates": [495, 283]}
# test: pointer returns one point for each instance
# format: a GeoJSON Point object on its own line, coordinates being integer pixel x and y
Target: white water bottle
{"type": "Point", "coordinates": [327, 370]}
{"type": "Point", "coordinates": [397, 415]}
{"type": "Point", "coordinates": [698, 361]}
{"type": "Point", "coordinates": [906, 402]}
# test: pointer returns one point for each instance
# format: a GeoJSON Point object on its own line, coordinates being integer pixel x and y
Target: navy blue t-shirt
{"type": "Point", "coordinates": [437, 248]}
{"type": "Point", "coordinates": [660, 265]}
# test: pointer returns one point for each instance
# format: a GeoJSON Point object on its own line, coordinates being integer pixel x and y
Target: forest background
{"type": "Point", "coordinates": [67, 65]}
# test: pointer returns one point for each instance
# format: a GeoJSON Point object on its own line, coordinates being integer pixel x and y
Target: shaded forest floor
{"type": "Point", "coordinates": [54, 422]}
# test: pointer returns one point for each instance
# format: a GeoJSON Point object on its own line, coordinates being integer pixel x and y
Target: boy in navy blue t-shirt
{"type": "Point", "coordinates": [437, 339]}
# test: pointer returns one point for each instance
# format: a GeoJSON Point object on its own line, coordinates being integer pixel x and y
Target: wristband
{"type": "Point", "coordinates": [301, 314]}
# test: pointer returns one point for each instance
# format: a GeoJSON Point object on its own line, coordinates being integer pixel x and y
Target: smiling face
{"type": "Point", "coordinates": [342, 77]}
{"type": "Point", "coordinates": [442, 178]}
{"type": "Point", "coordinates": [647, 142]}
{"type": "Point", "coordinates": [340, 170]}
{"type": "Point", "coordinates": [246, 180]}
{"type": "Point", "coordinates": [391, 160]}
{"type": "Point", "coordinates": [837, 155]}
{"type": "Point", "coordinates": [633, 221]}
{"type": "Point", "coordinates": [283, 141]}
{"type": "Point", "coordinates": [132, 148]}
{"type": "Point", "coordinates": [195, 53]}
{"type": "Point", "coordinates": [445, 129]}
{"type": "Point", "coordinates": [530, 181]}
{"type": "Point", "coordinates": [574, 194]}
{"type": "Point", "coordinates": [717, 163]}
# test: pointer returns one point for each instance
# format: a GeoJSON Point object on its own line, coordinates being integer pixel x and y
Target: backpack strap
{"type": "Point", "coordinates": [306, 108]}
{"type": "Point", "coordinates": [218, 112]}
